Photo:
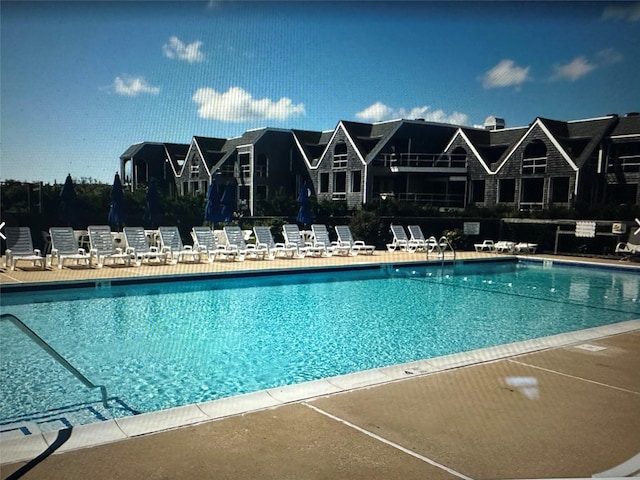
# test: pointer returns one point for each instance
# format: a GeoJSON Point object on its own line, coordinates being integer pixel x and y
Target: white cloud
{"type": "Point", "coordinates": [376, 112]}
{"type": "Point", "coordinates": [379, 112]}
{"type": "Point", "coordinates": [237, 105]}
{"type": "Point", "coordinates": [505, 74]}
{"type": "Point", "coordinates": [629, 12]}
{"type": "Point", "coordinates": [572, 71]}
{"type": "Point", "coordinates": [133, 86]}
{"type": "Point", "coordinates": [177, 49]}
{"type": "Point", "coordinates": [609, 56]}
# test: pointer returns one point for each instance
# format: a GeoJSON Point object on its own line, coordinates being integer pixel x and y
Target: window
{"type": "Point", "coordinates": [560, 189]}
{"type": "Point", "coordinates": [244, 161]}
{"type": "Point", "coordinates": [324, 183]}
{"type": "Point", "coordinates": [340, 182]}
{"type": "Point", "coordinates": [532, 191]}
{"type": "Point", "coordinates": [340, 155]}
{"type": "Point", "coordinates": [261, 192]}
{"type": "Point", "coordinates": [356, 181]}
{"type": "Point", "coordinates": [534, 159]}
{"type": "Point", "coordinates": [507, 190]}
{"type": "Point", "coordinates": [477, 191]}
{"type": "Point", "coordinates": [262, 166]}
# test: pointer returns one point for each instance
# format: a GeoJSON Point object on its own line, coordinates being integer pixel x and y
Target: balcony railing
{"type": "Point", "coordinates": [624, 163]}
{"type": "Point", "coordinates": [438, 199]}
{"type": "Point", "coordinates": [420, 160]}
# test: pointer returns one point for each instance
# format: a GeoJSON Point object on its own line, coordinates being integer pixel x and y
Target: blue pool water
{"type": "Point", "coordinates": [161, 345]}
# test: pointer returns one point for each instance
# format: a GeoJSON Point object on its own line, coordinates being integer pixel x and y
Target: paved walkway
{"type": "Point", "coordinates": [564, 407]}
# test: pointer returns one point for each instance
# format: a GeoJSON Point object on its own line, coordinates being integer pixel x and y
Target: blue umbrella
{"type": "Point", "coordinates": [68, 208]}
{"type": "Point", "coordinates": [153, 211]}
{"type": "Point", "coordinates": [304, 213]}
{"type": "Point", "coordinates": [116, 210]}
{"type": "Point", "coordinates": [228, 201]}
{"type": "Point", "coordinates": [213, 209]}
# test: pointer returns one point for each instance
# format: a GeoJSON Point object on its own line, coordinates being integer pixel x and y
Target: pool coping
{"type": "Point", "coordinates": [105, 282]}
{"type": "Point", "coordinates": [109, 431]}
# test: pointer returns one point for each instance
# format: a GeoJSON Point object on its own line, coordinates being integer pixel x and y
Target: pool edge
{"type": "Point", "coordinates": [90, 435]}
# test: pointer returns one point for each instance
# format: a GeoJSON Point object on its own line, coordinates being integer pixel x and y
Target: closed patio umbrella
{"type": "Point", "coordinates": [68, 207]}
{"type": "Point", "coordinates": [228, 203]}
{"type": "Point", "coordinates": [116, 210]}
{"type": "Point", "coordinates": [153, 211]}
{"type": "Point", "coordinates": [304, 212]}
{"type": "Point", "coordinates": [213, 208]}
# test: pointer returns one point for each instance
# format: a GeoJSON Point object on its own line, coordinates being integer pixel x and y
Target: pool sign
{"type": "Point", "coordinates": [471, 228]}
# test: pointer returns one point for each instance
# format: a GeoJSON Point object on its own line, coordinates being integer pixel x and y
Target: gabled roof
{"type": "Point", "coordinates": [176, 153]}
{"type": "Point", "coordinates": [211, 150]}
{"type": "Point", "coordinates": [311, 144]}
{"type": "Point", "coordinates": [579, 138]}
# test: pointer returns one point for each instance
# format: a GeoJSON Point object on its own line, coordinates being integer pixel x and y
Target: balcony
{"type": "Point", "coordinates": [437, 199]}
{"type": "Point", "coordinates": [422, 162]}
{"type": "Point", "coordinates": [624, 163]}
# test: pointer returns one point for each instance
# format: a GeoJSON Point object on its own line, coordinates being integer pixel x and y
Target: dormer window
{"type": "Point", "coordinates": [534, 159]}
{"type": "Point", "coordinates": [340, 155]}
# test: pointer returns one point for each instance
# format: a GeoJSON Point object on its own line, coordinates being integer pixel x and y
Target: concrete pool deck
{"type": "Point", "coordinates": [562, 406]}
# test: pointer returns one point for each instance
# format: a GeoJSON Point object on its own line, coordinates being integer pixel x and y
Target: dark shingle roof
{"type": "Point", "coordinates": [629, 125]}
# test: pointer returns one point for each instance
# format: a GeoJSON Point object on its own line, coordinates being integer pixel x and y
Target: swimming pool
{"type": "Point", "coordinates": [162, 345]}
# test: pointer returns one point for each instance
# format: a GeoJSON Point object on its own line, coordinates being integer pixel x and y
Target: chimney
{"type": "Point", "coordinates": [494, 123]}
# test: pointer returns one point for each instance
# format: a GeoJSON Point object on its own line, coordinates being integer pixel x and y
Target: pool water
{"type": "Point", "coordinates": [156, 346]}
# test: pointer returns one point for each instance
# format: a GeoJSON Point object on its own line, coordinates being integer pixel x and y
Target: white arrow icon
{"type": "Point", "coordinates": [4, 238]}
{"type": "Point", "coordinates": [637, 232]}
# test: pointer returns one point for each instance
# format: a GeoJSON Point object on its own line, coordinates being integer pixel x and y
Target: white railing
{"type": "Point", "coordinates": [420, 160]}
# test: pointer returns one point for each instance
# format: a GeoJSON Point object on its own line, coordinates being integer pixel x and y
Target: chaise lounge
{"type": "Point", "coordinates": [20, 248]}
{"type": "Point", "coordinates": [64, 247]}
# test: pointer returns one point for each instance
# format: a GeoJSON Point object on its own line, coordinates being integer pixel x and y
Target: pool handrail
{"type": "Point", "coordinates": [55, 355]}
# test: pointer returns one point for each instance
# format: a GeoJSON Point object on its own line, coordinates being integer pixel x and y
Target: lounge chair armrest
{"type": "Point", "coordinates": [358, 243]}
{"type": "Point", "coordinates": [54, 252]}
{"type": "Point", "coordinates": [164, 249]}
{"type": "Point", "coordinates": [37, 252]}
{"type": "Point", "coordinates": [188, 248]}
{"type": "Point", "coordinates": [119, 251]}
{"type": "Point", "coordinates": [129, 250]}
{"type": "Point", "coordinates": [82, 251]}
{"type": "Point", "coordinates": [153, 249]}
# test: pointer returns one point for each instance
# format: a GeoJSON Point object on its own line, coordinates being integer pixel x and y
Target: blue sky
{"type": "Point", "coordinates": [81, 82]}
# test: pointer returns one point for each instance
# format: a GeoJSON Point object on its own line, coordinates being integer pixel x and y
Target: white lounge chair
{"type": "Point", "coordinates": [235, 237]}
{"type": "Point", "coordinates": [504, 246]}
{"type": "Point", "coordinates": [292, 236]}
{"type": "Point", "coordinates": [524, 247]}
{"type": "Point", "coordinates": [346, 238]}
{"type": "Point", "coordinates": [102, 248]}
{"type": "Point", "coordinates": [171, 244]}
{"type": "Point", "coordinates": [274, 249]}
{"type": "Point", "coordinates": [138, 246]}
{"type": "Point", "coordinates": [485, 246]}
{"type": "Point", "coordinates": [631, 246]}
{"type": "Point", "coordinates": [205, 242]}
{"type": "Point", "coordinates": [418, 239]}
{"type": "Point", "coordinates": [20, 248]}
{"type": "Point", "coordinates": [321, 240]}
{"type": "Point", "coordinates": [65, 247]}
{"type": "Point", "coordinates": [400, 240]}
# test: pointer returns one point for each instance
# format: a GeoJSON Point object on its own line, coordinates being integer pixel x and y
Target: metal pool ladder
{"type": "Point", "coordinates": [440, 246]}
{"type": "Point", "coordinates": [56, 356]}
